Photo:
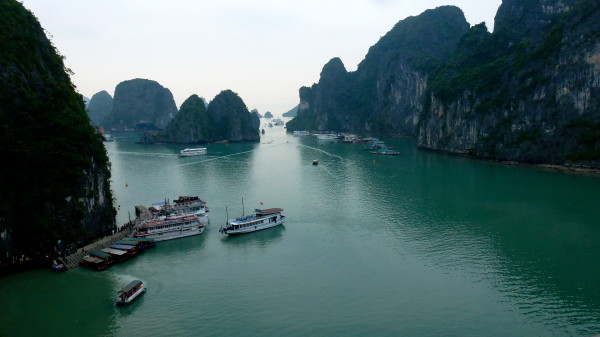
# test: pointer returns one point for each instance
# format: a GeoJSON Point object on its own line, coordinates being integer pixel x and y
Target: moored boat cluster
{"type": "Point", "coordinates": [100, 259]}
{"type": "Point", "coordinates": [376, 146]}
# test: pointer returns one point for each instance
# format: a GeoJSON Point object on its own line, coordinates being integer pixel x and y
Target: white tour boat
{"type": "Point", "coordinates": [326, 136]}
{"type": "Point", "coordinates": [172, 226]}
{"type": "Point", "coordinates": [130, 292]}
{"type": "Point", "coordinates": [263, 219]}
{"type": "Point", "coordinates": [301, 133]}
{"type": "Point", "coordinates": [192, 152]}
{"type": "Point", "coordinates": [191, 205]}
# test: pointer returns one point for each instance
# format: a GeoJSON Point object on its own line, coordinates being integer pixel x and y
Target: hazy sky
{"type": "Point", "coordinates": [264, 50]}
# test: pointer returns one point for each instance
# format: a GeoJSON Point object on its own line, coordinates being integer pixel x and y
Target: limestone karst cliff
{"type": "Point", "coordinates": [225, 119]}
{"type": "Point", "coordinates": [140, 104]}
{"type": "Point", "coordinates": [190, 125]}
{"type": "Point", "coordinates": [526, 92]}
{"type": "Point", "coordinates": [99, 106]}
{"type": "Point", "coordinates": [293, 112]}
{"type": "Point", "coordinates": [533, 97]}
{"type": "Point", "coordinates": [383, 94]}
{"type": "Point", "coordinates": [230, 119]}
{"type": "Point", "coordinates": [55, 177]}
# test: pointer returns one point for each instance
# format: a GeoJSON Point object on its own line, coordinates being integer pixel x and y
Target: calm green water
{"type": "Point", "coordinates": [421, 244]}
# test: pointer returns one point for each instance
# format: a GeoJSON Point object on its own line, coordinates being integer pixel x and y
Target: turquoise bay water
{"type": "Point", "coordinates": [421, 244]}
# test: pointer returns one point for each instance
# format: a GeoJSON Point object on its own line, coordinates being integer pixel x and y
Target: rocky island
{"type": "Point", "coordinates": [226, 119]}
{"type": "Point", "coordinates": [140, 104]}
{"type": "Point", "coordinates": [99, 106]}
{"type": "Point", "coordinates": [526, 92]}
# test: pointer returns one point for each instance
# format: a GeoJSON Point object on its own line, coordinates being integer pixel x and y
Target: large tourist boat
{"type": "Point", "coordinates": [192, 152]}
{"type": "Point", "coordinates": [173, 226]}
{"type": "Point", "coordinates": [188, 205]}
{"type": "Point", "coordinates": [326, 136]}
{"type": "Point", "coordinates": [191, 205]}
{"type": "Point", "coordinates": [301, 133]}
{"type": "Point", "coordinates": [263, 219]}
{"type": "Point", "coordinates": [130, 292]}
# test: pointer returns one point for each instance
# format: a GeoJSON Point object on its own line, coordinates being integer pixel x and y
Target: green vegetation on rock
{"type": "Point", "coordinates": [190, 125]}
{"type": "Point", "coordinates": [54, 181]}
{"type": "Point", "coordinates": [99, 107]}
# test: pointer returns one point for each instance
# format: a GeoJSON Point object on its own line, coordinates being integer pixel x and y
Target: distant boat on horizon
{"type": "Point", "coordinates": [192, 152]}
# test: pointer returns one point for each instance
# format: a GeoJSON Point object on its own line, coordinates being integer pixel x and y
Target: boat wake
{"type": "Point", "coordinates": [146, 154]}
{"type": "Point", "coordinates": [229, 155]}
{"type": "Point", "coordinates": [327, 153]}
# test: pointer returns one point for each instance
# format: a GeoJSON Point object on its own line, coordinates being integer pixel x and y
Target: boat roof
{"type": "Point", "coordinates": [114, 251]}
{"type": "Point", "coordinates": [194, 149]}
{"type": "Point", "coordinates": [128, 242]}
{"type": "Point", "coordinates": [99, 254]}
{"type": "Point", "coordinates": [122, 247]}
{"type": "Point", "coordinates": [138, 239]}
{"type": "Point", "coordinates": [92, 259]}
{"type": "Point", "coordinates": [268, 211]}
{"type": "Point", "coordinates": [131, 286]}
{"type": "Point", "coordinates": [171, 219]}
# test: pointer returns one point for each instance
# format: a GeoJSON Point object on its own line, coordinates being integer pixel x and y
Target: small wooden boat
{"type": "Point", "coordinates": [130, 292]}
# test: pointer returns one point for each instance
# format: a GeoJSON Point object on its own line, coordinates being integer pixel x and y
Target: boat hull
{"type": "Point", "coordinates": [254, 228]}
{"type": "Point", "coordinates": [128, 300]}
{"type": "Point", "coordinates": [192, 152]}
{"type": "Point", "coordinates": [176, 234]}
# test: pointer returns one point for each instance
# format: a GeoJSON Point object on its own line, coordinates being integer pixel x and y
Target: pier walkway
{"type": "Point", "coordinates": [72, 261]}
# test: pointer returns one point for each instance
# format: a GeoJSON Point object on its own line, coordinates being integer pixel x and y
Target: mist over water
{"type": "Point", "coordinates": [420, 244]}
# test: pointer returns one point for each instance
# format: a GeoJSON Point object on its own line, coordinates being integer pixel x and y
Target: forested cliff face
{"type": "Point", "coordinates": [140, 104]}
{"type": "Point", "coordinates": [225, 119]}
{"type": "Point", "coordinates": [190, 125]}
{"type": "Point", "coordinates": [54, 178]}
{"type": "Point", "coordinates": [99, 107]}
{"type": "Point", "coordinates": [384, 93]}
{"type": "Point", "coordinates": [534, 100]}
{"type": "Point", "coordinates": [526, 92]}
{"type": "Point", "coordinates": [230, 120]}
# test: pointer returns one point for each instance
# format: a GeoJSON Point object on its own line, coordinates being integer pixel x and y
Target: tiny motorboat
{"type": "Point", "coordinates": [58, 266]}
{"type": "Point", "coordinates": [315, 162]}
{"type": "Point", "coordinates": [130, 292]}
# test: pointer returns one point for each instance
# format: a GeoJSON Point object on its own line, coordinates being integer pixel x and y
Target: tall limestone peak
{"type": "Point", "coordinates": [368, 99]}
{"type": "Point", "coordinates": [190, 125]}
{"type": "Point", "coordinates": [334, 69]}
{"type": "Point", "coordinates": [141, 104]}
{"type": "Point", "coordinates": [56, 183]}
{"type": "Point", "coordinates": [230, 119]}
{"type": "Point", "coordinates": [527, 94]}
{"type": "Point", "coordinates": [518, 19]}
{"type": "Point", "coordinates": [99, 107]}
{"type": "Point", "coordinates": [432, 35]}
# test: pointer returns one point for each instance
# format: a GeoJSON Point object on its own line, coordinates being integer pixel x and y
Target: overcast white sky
{"type": "Point", "coordinates": [264, 50]}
